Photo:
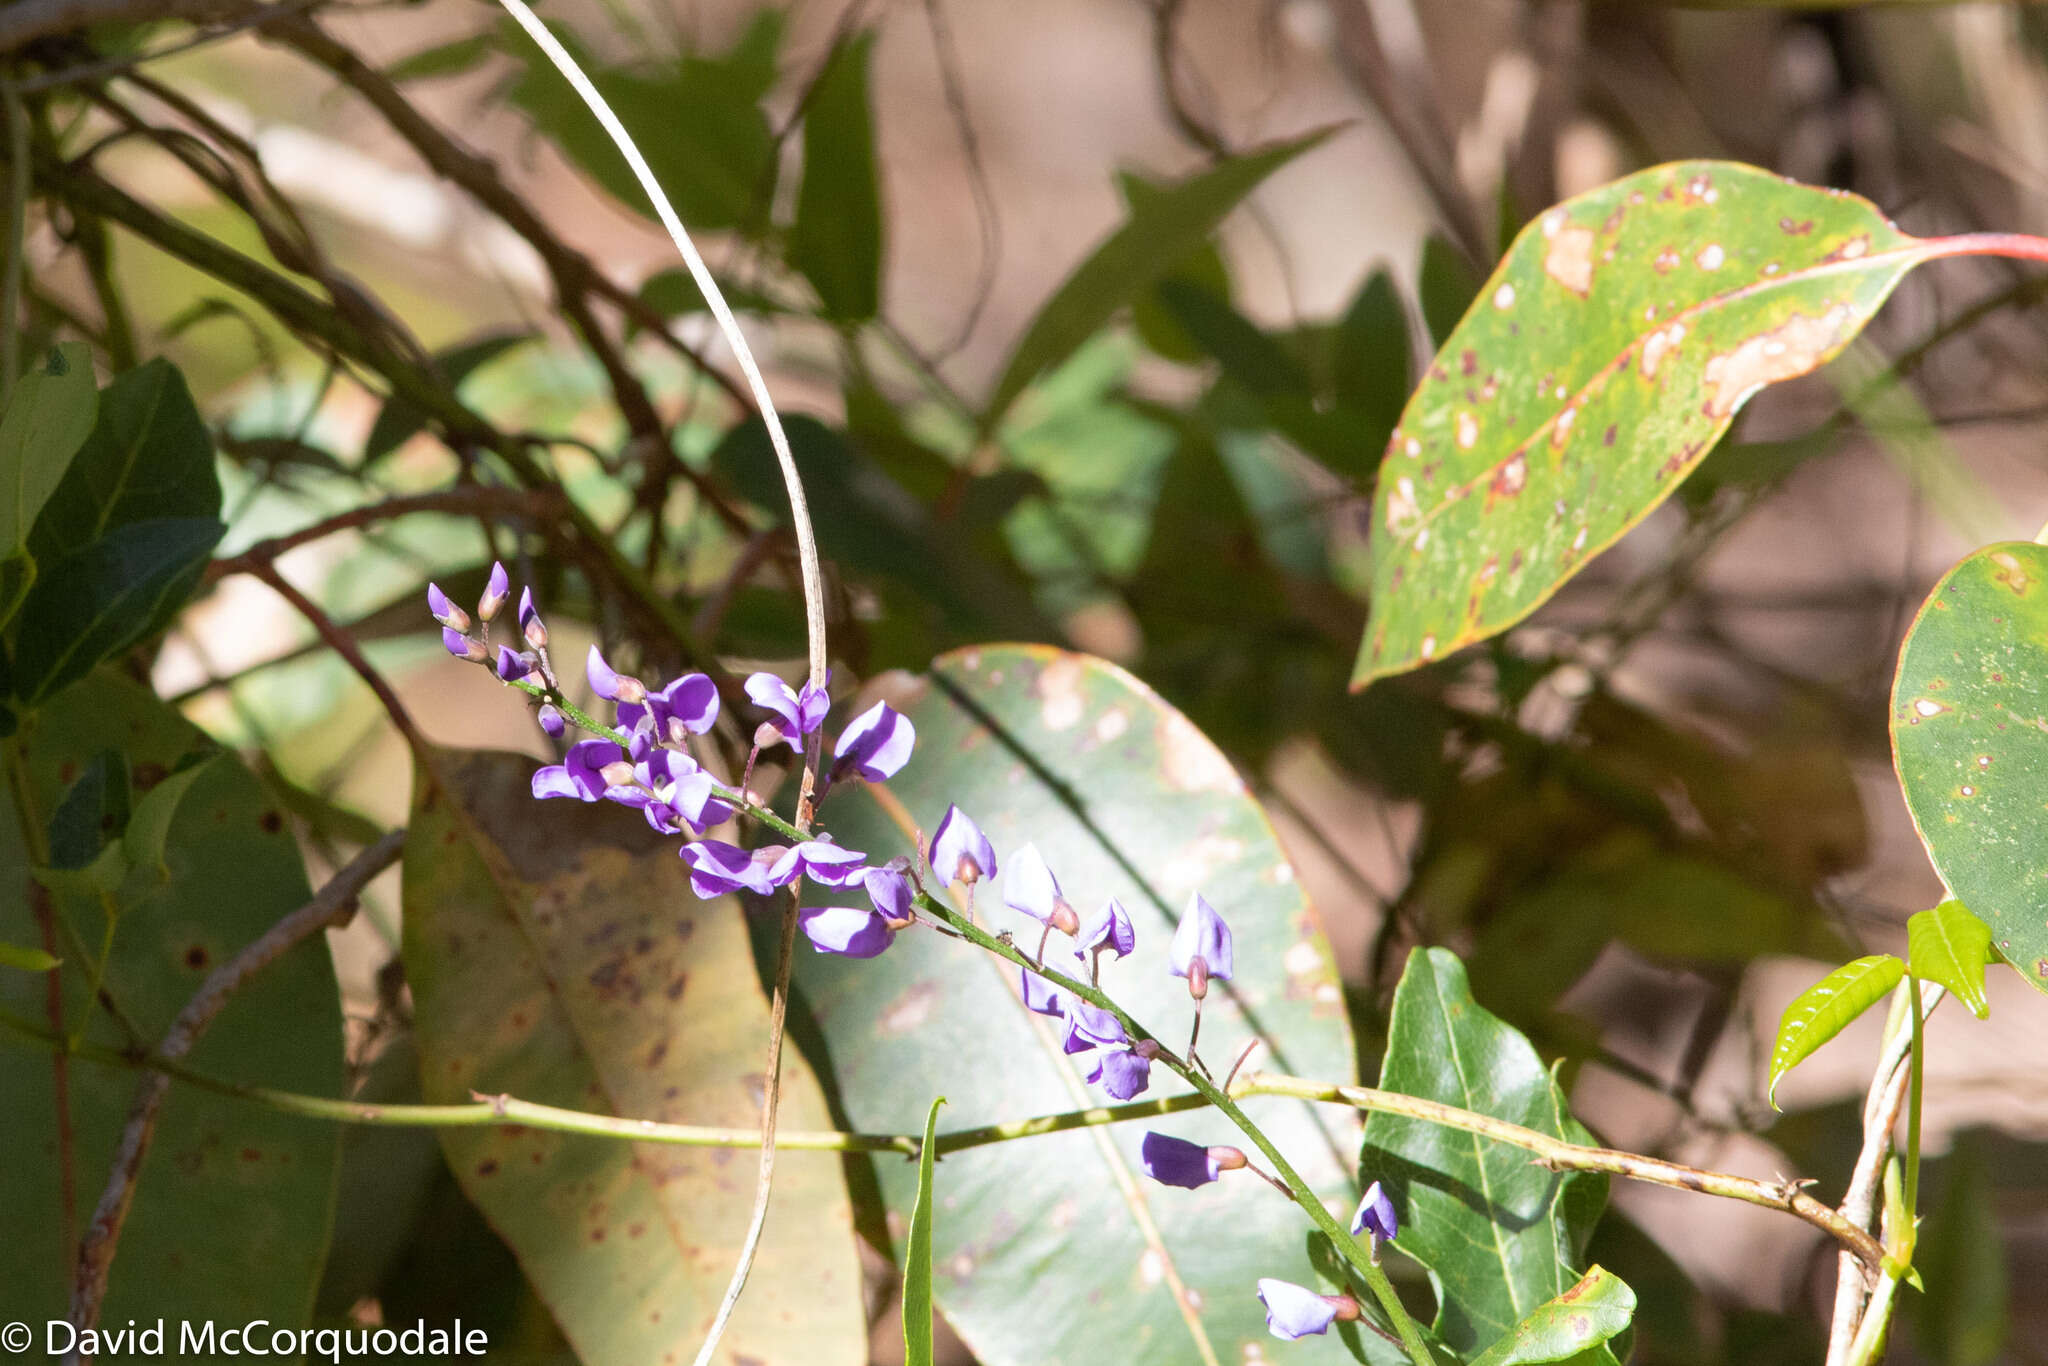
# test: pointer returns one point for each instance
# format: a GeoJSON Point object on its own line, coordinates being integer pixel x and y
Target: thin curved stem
{"type": "Point", "coordinates": [814, 610]}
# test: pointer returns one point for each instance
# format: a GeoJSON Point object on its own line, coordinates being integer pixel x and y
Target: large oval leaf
{"type": "Point", "coordinates": [1970, 740]}
{"type": "Point", "coordinates": [1500, 1235]}
{"type": "Point", "coordinates": [556, 953]}
{"type": "Point", "coordinates": [1124, 797]}
{"type": "Point", "coordinates": [1598, 365]}
{"type": "Point", "coordinates": [259, 1185]}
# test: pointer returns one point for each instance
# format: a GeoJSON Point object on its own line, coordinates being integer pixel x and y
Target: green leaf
{"type": "Point", "coordinates": [1445, 286]}
{"type": "Point", "coordinates": [1202, 267]}
{"type": "Point", "coordinates": [1125, 798]}
{"type": "Point", "coordinates": [1963, 1318]}
{"type": "Point", "coordinates": [1370, 360]}
{"type": "Point", "coordinates": [398, 421]}
{"type": "Point", "coordinates": [1951, 946]}
{"type": "Point", "coordinates": [27, 959]}
{"type": "Point", "coordinates": [48, 418]}
{"type": "Point", "coordinates": [443, 59]}
{"type": "Point", "coordinates": [1158, 235]}
{"type": "Point", "coordinates": [1602, 360]}
{"type": "Point", "coordinates": [917, 1254]}
{"type": "Point", "coordinates": [836, 240]}
{"type": "Point", "coordinates": [1827, 1007]}
{"type": "Point", "coordinates": [699, 125]}
{"type": "Point", "coordinates": [1595, 1310]}
{"type": "Point", "coordinates": [109, 595]}
{"type": "Point", "coordinates": [149, 457]}
{"type": "Point", "coordinates": [578, 970]}
{"type": "Point", "coordinates": [1967, 707]}
{"type": "Point", "coordinates": [259, 1184]}
{"type": "Point", "coordinates": [1499, 1234]}
{"type": "Point", "coordinates": [674, 293]}
{"type": "Point", "coordinates": [142, 843]}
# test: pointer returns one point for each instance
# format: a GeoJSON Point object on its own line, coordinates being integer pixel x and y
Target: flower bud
{"type": "Point", "coordinates": [1198, 977]}
{"type": "Point", "coordinates": [1148, 1049]}
{"type": "Point", "coordinates": [1227, 1159]}
{"type": "Point", "coordinates": [462, 646]}
{"type": "Point", "coordinates": [444, 611]}
{"type": "Point", "coordinates": [495, 593]}
{"type": "Point", "coordinates": [530, 625]}
{"type": "Point", "coordinates": [550, 718]}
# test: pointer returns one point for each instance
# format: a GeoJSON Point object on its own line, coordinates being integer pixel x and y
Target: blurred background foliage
{"type": "Point", "coordinates": [1094, 316]}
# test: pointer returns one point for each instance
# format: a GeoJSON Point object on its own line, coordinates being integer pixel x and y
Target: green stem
{"type": "Point", "coordinates": [1913, 1104]}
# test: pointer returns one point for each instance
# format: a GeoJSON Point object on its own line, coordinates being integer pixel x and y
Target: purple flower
{"type": "Point", "coordinates": [1176, 1162]}
{"type": "Point", "coordinates": [718, 868]}
{"type": "Point", "coordinates": [530, 625]}
{"type": "Point", "coordinates": [1201, 947]}
{"type": "Point", "coordinates": [550, 718]}
{"type": "Point", "coordinates": [889, 889]}
{"type": "Point", "coordinates": [800, 713]}
{"type": "Point", "coordinates": [609, 683]}
{"type": "Point", "coordinates": [1375, 1215]}
{"type": "Point", "coordinates": [1091, 1026]}
{"type": "Point", "coordinates": [580, 774]}
{"type": "Point", "coordinates": [1294, 1311]}
{"type": "Point", "coordinates": [1030, 887]}
{"type": "Point", "coordinates": [875, 744]}
{"type": "Point", "coordinates": [845, 930]}
{"type": "Point", "coordinates": [514, 665]}
{"type": "Point", "coordinates": [1110, 928]}
{"type": "Point", "coordinates": [461, 646]}
{"type": "Point", "coordinates": [446, 612]}
{"type": "Point", "coordinates": [1042, 997]}
{"type": "Point", "coordinates": [673, 791]}
{"type": "Point", "coordinates": [495, 592]}
{"type": "Point", "coordinates": [1125, 1072]}
{"type": "Point", "coordinates": [822, 861]}
{"type": "Point", "coordinates": [690, 703]}
{"type": "Point", "coordinates": [959, 851]}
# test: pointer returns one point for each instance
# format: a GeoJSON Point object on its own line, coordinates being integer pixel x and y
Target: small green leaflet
{"type": "Point", "coordinates": [1598, 365]}
{"type": "Point", "coordinates": [27, 959]}
{"type": "Point", "coordinates": [1596, 1309]}
{"type": "Point", "coordinates": [1827, 1007]}
{"type": "Point", "coordinates": [1968, 708]}
{"type": "Point", "coordinates": [1950, 946]}
{"type": "Point", "coordinates": [917, 1254]}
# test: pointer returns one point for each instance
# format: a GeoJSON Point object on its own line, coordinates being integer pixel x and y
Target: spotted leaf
{"type": "Point", "coordinates": [1970, 739]}
{"type": "Point", "coordinates": [1599, 364]}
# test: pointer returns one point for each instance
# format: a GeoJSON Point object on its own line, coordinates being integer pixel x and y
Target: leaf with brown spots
{"type": "Point", "coordinates": [1970, 741]}
{"type": "Point", "coordinates": [256, 1184]}
{"type": "Point", "coordinates": [1124, 797]}
{"type": "Point", "coordinates": [556, 954]}
{"type": "Point", "coordinates": [1594, 1311]}
{"type": "Point", "coordinates": [1599, 364]}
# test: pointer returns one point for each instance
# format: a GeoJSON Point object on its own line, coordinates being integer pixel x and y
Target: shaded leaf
{"type": "Point", "coordinates": [917, 1253]}
{"type": "Point", "coordinates": [836, 240]}
{"type": "Point", "coordinates": [699, 125]}
{"type": "Point", "coordinates": [142, 843]}
{"type": "Point", "coordinates": [1202, 267]}
{"type": "Point", "coordinates": [399, 420]}
{"type": "Point", "coordinates": [109, 595]}
{"type": "Point", "coordinates": [1963, 1318]}
{"type": "Point", "coordinates": [149, 457]}
{"type": "Point", "coordinates": [1950, 946]}
{"type": "Point", "coordinates": [1968, 705]}
{"type": "Point", "coordinates": [443, 59]}
{"type": "Point", "coordinates": [1159, 233]}
{"type": "Point", "coordinates": [258, 1182]}
{"type": "Point", "coordinates": [1828, 1007]}
{"type": "Point", "coordinates": [48, 417]}
{"type": "Point", "coordinates": [1598, 1308]}
{"type": "Point", "coordinates": [1499, 1234]}
{"type": "Point", "coordinates": [1445, 286]}
{"type": "Point", "coordinates": [1370, 359]}
{"type": "Point", "coordinates": [93, 811]}
{"type": "Point", "coordinates": [578, 970]}
{"type": "Point", "coordinates": [1604, 357]}
{"type": "Point", "coordinates": [674, 293]}
{"type": "Point", "coordinates": [1124, 797]}
{"type": "Point", "coordinates": [27, 959]}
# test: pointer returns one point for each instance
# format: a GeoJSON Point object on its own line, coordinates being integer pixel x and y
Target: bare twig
{"type": "Point", "coordinates": [333, 903]}
{"type": "Point", "coordinates": [986, 220]}
{"type": "Point", "coordinates": [24, 21]}
{"type": "Point", "coordinates": [480, 499]}
{"type": "Point", "coordinates": [344, 645]}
